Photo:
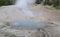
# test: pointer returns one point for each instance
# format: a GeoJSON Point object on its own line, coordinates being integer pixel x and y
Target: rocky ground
{"type": "Point", "coordinates": [48, 15]}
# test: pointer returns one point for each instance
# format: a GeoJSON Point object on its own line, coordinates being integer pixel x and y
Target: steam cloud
{"type": "Point", "coordinates": [23, 4]}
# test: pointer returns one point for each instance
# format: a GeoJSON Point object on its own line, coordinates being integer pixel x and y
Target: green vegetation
{"type": "Point", "coordinates": [54, 3]}
{"type": "Point", "coordinates": [11, 35]}
{"type": "Point", "coordinates": [6, 2]}
{"type": "Point", "coordinates": [38, 1]}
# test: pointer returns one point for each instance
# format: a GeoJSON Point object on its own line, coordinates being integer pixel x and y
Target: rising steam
{"type": "Point", "coordinates": [23, 4]}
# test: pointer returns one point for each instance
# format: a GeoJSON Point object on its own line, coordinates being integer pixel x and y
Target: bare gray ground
{"type": "Point", "coordinates": [11, 13]}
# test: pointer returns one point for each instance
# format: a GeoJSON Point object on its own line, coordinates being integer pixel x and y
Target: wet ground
{"type": "Point", "coordinates": [50, 16]}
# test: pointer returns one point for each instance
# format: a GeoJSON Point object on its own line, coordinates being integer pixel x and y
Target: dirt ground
{"type": "Point", "coordinates": [48, 15]}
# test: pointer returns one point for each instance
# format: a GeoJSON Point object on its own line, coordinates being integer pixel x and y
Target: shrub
{"type": "Point", "coordinates": [6, 2]}
{"type": "Point", "coordinates": [54, 3]}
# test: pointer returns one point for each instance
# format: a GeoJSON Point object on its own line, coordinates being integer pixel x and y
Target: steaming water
{"type": "Point", "coordinates": [28, 24]}
{"type": "Point", "coordinates": [23, 4]}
